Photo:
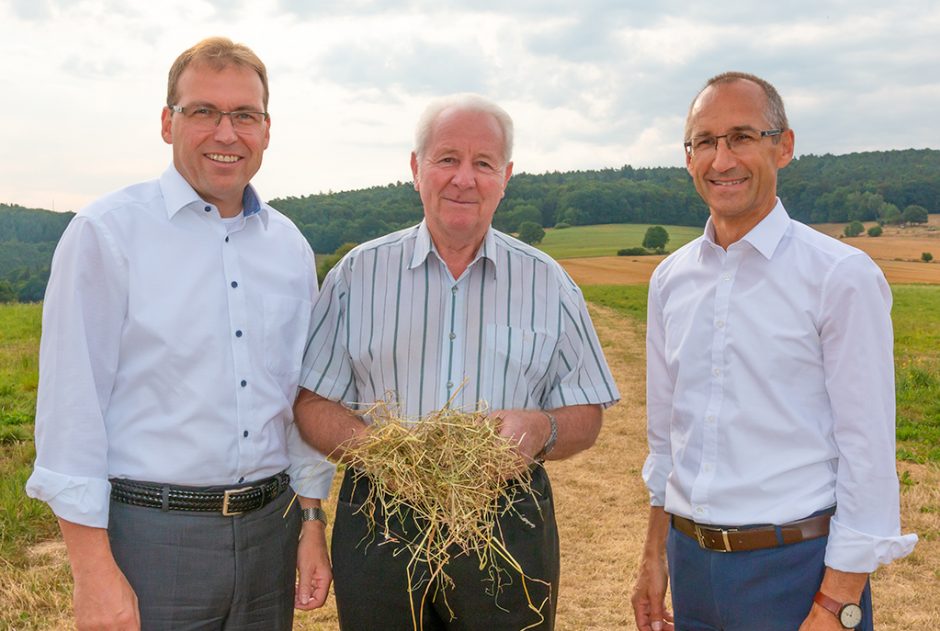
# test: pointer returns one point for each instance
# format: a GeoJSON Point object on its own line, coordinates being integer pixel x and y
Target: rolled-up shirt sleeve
{"type": "Point", "coordinates": [83, 315]}
{"type": "Point", "coordinates": [659, 392]}
{"type": "Point", "coordinates": [581, 375]}
{"type": "Point", "coordinates": [857, 343]}
{"type": "Point", "coordinates": [310, 472]}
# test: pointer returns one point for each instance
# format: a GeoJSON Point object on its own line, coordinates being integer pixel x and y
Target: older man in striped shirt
{"type": "Point", "coordinates": [453, 309]}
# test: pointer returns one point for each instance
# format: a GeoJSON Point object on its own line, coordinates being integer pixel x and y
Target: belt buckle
{"type": "Point", "coordinates": [700, 535]}
{"type": "Point", "coordinates": [226, 496]}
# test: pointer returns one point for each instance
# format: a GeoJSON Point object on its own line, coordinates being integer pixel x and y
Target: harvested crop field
{"type": "Point", "coordinates": [897, 252]}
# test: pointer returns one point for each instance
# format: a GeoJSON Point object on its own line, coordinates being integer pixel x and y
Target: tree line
{"type": "Point", "coordinates": [869, 186]}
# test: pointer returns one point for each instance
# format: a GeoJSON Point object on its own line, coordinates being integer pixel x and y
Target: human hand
{"type": "Point", "coordinates": [527, 430]}
{"type": "Point", "coordinates": [314, 571]}
{"type": "Point", "coordinates": [649, 597]}
{"type": "Point", "coordinates": [103, 600]}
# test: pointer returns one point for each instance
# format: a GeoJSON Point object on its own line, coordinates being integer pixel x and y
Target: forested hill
{"type": "Point", "coordinates": [864, 186]}
{"type": "Point", "coordinates": [814, 189]}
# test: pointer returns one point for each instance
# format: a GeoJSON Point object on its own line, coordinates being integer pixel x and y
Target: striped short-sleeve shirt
{"type": "Point", "coordinates": [391, 323]}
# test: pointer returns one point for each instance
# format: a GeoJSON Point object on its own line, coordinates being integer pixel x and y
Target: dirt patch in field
{"type": "Point", "coordinates": [897, 252]}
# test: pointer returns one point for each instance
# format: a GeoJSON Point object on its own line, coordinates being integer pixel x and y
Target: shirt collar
{"type": "Point", "coordinates": [178, 194]}
{"type": "Point", "coordinates": [424, 246]}
{"type": "Point", "coordinates": [764, 237]}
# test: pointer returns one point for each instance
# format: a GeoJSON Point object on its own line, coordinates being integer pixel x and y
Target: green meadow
{"type": "Point", "coordinates": [916, 351]}
{"type": "Point", "coordinates": [606, 239]}
{"type": "Point", "coordinates": [22, 521]}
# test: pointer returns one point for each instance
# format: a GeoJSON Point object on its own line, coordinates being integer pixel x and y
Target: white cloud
{"type": "Point", "coordinates": [598, 84]}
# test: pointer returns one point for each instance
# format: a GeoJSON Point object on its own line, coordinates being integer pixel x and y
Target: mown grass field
{"type": "Point", "coordinates": [606, 239]}
{"type": "Point", "coordinates": [34, 580]}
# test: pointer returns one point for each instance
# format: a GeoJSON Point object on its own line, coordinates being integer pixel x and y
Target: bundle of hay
{"type": "Point", "coordinates": [448, 472]}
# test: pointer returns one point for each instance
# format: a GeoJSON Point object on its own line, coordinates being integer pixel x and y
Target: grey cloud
{"type": "Point", "coordinates": [419, 67]}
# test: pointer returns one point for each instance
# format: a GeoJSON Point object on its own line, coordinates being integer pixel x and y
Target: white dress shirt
{"type": "Point", "coordinates": [512, 331]}
{"type": "Point", "coordinates": [770, 388]}
{"type": "Point", "coordinates": [171, 349]}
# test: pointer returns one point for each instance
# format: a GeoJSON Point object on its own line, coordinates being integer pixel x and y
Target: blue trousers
{"type": "Point", "coordinates": [765, 590]}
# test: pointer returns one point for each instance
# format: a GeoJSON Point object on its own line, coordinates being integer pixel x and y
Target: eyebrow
{"type": "Point", "coordinates": [729, 131]}
{"type": "Point", "coordinates": [240, 108]}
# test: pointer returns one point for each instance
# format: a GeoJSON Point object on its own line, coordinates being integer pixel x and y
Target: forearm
{"type": "Point", "coordinates": [843, 586]}
{"type": "Point", "coordinates": [578, 428]}
{"type": "Point", "coordinates": [326, 425]}
{"type": "Point", "coordinates": [89, 548]}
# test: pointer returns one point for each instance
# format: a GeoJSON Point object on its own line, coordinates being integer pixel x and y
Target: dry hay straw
{"type": "Point", "coordinates": [448, 473]}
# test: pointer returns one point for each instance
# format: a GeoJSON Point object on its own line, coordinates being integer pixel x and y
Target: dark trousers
{"type": "Point", "coordinates": [770, 590]}
{"type": "Point", "coordinates": [205, 571]}
{"type": "Point", "coordinates": [370, 574]}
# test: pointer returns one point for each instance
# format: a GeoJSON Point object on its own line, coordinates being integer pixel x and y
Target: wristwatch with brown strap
{"type": "Point", "coordinates": [849, 615]}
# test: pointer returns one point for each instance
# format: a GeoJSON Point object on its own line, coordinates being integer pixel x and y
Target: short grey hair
{"type": "Point", "coordinates": [774, 111]}
{"type": "Point", "coordinates": [464, 102]}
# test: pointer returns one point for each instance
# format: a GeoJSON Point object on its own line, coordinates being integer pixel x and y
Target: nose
{"type": "Point", "coordinates": [724, 158]}
{"type": "Point", "coordinates": [464, 177]}
{"type": "Point", "coordinates": [225, 130]}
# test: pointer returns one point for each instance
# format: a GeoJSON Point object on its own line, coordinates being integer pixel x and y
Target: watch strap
{"type": "Point", "coordinates": [834, 606]}
{"type": "Point", "coordinates": [314, 514]}
{"type": "Point", "coordinates": [552, 437]}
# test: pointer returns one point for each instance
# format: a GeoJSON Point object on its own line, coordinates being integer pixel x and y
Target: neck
{"type": "Point", "coordinates": [729, 230]}
{"type": "Point", "coordinates": [457, 257]}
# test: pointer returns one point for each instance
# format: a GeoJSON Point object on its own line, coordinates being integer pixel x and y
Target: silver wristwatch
{"type": "Point", "coordinates": [552, 437]}
{"type": "Point", "coordinates": [311, 514]}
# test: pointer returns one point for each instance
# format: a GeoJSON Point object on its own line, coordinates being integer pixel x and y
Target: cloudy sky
{"type": "Point", "coordinates": [590, 84]}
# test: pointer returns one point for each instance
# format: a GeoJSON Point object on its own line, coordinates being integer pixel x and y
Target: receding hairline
{"type": "Point", "coordinates": [463, 102]}
{"type": "Point", "coordinates": [773, 107]}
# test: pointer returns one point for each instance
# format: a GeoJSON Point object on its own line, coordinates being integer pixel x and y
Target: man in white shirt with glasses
{"type": "Point", "coordinates": [173, 332]}
{"type": "Point", "coordinates": [770, 394]}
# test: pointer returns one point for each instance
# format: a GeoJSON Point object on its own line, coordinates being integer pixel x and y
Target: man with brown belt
{"type": "Point", "coordinates": [173, 332]}
{"type": "Point", "coordinates": [770, 395]}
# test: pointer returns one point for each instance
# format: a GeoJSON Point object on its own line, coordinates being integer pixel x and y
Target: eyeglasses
{"type": "Point", "coordinates": [739, 142]}
{"type": "Point", "coordinates": [208, 117]}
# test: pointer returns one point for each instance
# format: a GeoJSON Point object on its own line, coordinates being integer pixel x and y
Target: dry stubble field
{"type": "Point", "coordinates": [600, 498]}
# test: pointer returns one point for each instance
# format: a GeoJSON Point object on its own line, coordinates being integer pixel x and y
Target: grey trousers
{"type": "Point", "coordinates": [202, 571]}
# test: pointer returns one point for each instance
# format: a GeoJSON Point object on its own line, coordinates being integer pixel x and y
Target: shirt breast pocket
{"type": "Point", "coordinates": [517, 365]}
{"type": "Point", "coordinates": [286, 322]}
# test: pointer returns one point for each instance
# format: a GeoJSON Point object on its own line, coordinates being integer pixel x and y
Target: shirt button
{"type": "Point", "coordinates": [226, 239]}
{"type": "Point", "coordinates": [245, 433]}
{"type": "Point", "coordinates": [716, 371]}
{"type": "Point", "coordinates": [234, 284]}
{"type": "Point", "coordinates": [726, 277]}
{"type": "Point", "coordinates": [453, 289]}
{"type": "Point", "coordinates": [707, 468]}
{"type": "Point", "coordinates": [720, 324]}
{"type": "Point", "coordinates": [208, 209]}
{"type": "Point", "coordinates": [244, 383]}
{"type": "Point", "coordinates": [241, 479]}
{"type": "Point", "coordinates": [710, 418]}
{"type": "Point", "coordinates": [450, 384]}
{"type": "Point", "coordinates": [238, 333]}
{"type": "Point", "coordinates": [453, 336]}
{"type": "Point", "coordinates": [699, 510]}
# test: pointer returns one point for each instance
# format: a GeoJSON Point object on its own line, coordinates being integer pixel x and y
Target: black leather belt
{"type": "Point", "coordinates": [228, 501]}
{"type": "Point", "coordinates": [746, 538]}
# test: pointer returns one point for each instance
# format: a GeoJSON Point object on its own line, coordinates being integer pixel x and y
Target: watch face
{"type": "Point", "coordinates": [850, 616]}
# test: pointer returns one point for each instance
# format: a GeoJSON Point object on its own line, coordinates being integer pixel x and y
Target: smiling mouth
{"type": "Point", "coordinates": [728, 182]}
{"type": "Point", "coordinates": [218, 157]}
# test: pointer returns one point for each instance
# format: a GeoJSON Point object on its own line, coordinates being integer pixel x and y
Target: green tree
{"type": "Point", "coordinates": [7, 293]}
{"type": "Point", "coordinates": [656, 238]}
{"type": "Point", "coordinates": [915, 214]}
{"type": "Point", "coordinates": [854, 229]}
{"type": "Point", "coordinates": [926, 257]}
{"type": "Point", "coordinates": [875, 231]}
{"type": "Point", "coordinates": [530, 232]}
{"type": "Point", "coordinates": [890, 214]}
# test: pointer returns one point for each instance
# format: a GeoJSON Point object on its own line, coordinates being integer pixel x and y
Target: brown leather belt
{"type": "Point", "coordinates": [744, 538]}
